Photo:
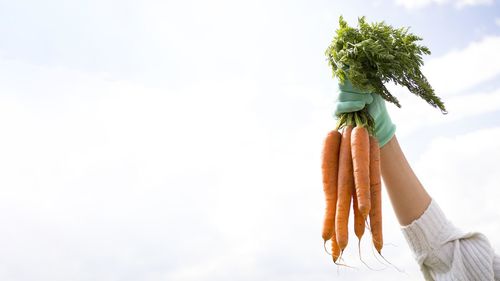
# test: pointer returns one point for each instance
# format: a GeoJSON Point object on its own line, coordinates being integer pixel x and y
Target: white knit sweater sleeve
{"type": "Point", "coordinates": [444, 252]}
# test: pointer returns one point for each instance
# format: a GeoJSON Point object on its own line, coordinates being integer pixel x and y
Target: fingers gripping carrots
{"type": "Point", "coordinates": [351, 171]}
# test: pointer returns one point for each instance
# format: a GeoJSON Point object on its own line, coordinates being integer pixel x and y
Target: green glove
{"type": "Point", "coordinates": [350, 99]}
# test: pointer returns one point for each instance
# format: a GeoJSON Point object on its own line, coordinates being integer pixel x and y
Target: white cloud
{"type": "Point", "coordinates": [458, 78]}
{"type": "Point", "coordinates": [114, 173]}
{"type": "Point", "coordinates": [415, 4]}
{"type": "Point", "coordinates": [463, 3]}
{"type": "Point", "coordinates": [416, 114]}
{"type": "Point", "coordinates": [105, 179]}
{"type": "Point", "coordinates": [460, 70]}
{"type": "Point", "coordinates": [418, 4]}
{"type": "Point", "coordinates": [497, 21]}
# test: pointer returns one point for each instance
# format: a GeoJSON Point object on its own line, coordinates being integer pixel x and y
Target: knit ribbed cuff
{"type": "Point", "coordinates": [429, 231]}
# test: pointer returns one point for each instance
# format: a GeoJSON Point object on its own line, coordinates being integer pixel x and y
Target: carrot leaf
{"type": "Point", "coordinates": [371, 55]}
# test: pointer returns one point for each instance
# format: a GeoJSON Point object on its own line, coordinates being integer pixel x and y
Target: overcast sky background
{"type": "Point", "coordinates": [181, 140]}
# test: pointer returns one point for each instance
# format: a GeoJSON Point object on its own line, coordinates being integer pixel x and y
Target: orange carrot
{"type": "Point", "coordinates": [376, 195]}
{"type": "Point", "coordinates": [329, 167]}
{"type": "Point", "coordinates": [345, 185]}
{"type": "Point", "coordinates": [359, 221]}
{"type": "Point", "coordinates": [335, 248]}
{"type": "Point", "coordinates": [360, 147]}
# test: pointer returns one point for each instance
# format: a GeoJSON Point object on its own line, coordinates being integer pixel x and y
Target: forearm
{"type": "Point", "coordinates": [443, 251]}
{"type": "Point", "coordinates": [408, 197]}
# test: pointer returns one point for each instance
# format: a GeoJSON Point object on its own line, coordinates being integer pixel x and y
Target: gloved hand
{"type": "Point", "coordinates": [350, 99]}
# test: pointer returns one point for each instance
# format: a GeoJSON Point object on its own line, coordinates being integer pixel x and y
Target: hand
{"type": "Point", "coordinates": [350, 99]}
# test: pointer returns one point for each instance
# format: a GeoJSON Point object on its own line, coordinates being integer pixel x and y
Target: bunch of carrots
{"type": "Point", "coordinates": [368, 56]}
{"type": "Point", "coordinates": [351, 171]}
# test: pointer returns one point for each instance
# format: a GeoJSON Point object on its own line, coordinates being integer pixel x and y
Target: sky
{"type": "Point", "coordinates": [181, 140]}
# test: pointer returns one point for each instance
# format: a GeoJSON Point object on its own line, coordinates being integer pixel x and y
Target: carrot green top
{"type": "Point", "coordinates": [372, 54]}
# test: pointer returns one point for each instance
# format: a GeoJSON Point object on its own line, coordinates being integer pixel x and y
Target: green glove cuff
{"type": "Point", "coordinates": [351, 99]}
{"type": "Point", "coordinates": [384, 132]}
{"type": "Point", "coordinates": [384, 128]}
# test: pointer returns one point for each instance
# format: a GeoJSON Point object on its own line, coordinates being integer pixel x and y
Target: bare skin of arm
{"type": "Point", "coordinates": [408, 197]}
